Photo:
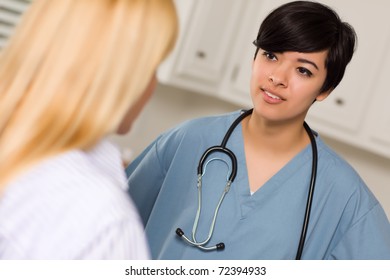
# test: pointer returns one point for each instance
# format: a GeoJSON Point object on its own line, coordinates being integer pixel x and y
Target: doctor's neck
{"type": "Point", "coordinates": [278, 136]}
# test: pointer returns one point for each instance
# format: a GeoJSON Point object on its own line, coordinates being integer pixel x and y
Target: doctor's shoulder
{"type": "Point", "coordinates": [197, 131]}
{"type": "Point", "coordinates": [182, 140]}
{"type": "Point", "coordinates": [342, 189]}
{"type": "Point", "coordinates": [341, 179]}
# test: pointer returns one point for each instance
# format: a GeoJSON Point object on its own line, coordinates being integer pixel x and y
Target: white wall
{"type": "Point", "coordinates": [170, 106]}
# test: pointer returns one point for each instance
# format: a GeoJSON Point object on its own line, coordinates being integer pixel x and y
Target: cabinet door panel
{"type": "Point", "coordinates": [378, 122]}
{"type": "Point", "coordinates": [236, 87]}
{"type": "Point", "coordinates": [347, 105]}
{"type": "Point", "coordinates": [207, 40]}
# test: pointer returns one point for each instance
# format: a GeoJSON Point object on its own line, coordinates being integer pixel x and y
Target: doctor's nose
{"type": "Point", "coordinates": [277, 79]}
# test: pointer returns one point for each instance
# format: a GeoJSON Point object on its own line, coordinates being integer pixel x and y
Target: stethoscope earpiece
{"type": "Point", "coordinates": [179, 232]}
{"type": "Point", "coordinates": [218, 247]}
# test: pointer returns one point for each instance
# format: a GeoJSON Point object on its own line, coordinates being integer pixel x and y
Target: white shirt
{"type": "Point", "coordinates": [72, 206]}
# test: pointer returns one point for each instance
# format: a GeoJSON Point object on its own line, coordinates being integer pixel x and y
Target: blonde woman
{"type": "Point", "coordinates": [74, 72]}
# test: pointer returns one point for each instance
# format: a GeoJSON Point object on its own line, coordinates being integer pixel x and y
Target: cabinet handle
{"type": "Point", "coordinates": [201, 54]}
{"type": "Point", "coordinates": [340, 102]}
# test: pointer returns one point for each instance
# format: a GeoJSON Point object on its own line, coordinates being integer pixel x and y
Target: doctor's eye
{"type": "Point", "coordinates": [304, 71]}
{"type": "Point", "coordinates": [269, 55]}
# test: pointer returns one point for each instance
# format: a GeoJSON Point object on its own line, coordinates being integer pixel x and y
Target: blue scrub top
{"type": "Point", "coordinates": [347, 221]}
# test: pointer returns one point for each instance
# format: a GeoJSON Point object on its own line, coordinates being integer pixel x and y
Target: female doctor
{"type": "Point", "coordinates": [269, 188]}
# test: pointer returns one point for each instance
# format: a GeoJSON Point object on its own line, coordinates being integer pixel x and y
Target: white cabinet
{"type": "Point", "coordinates": [200, 60]}
{"type": "Point", "coordinates": [377, 123]}
{"type": "Point", "coordinates": [235, 86]}
{"type": "Point", "coordinates": [214, 56]}
{"type": "Point", "coordinates": [355, 112]}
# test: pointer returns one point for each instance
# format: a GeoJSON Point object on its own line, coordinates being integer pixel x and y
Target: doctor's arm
{"type": "Point", "coordinates": [368, 239]}
{"type": "Point", "coordinates": [367, 229]}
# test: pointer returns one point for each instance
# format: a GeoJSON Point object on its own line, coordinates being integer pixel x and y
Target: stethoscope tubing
{"type": "Point", "coordinates": [310, 193]}
{"type": "Point", "coordinates": [222, 148]}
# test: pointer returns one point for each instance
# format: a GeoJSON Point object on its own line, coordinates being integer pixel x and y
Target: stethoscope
{"type": "Point", "coordinates": [222, 149]}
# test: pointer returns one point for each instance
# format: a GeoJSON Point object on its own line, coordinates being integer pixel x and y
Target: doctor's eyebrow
{"type": "Point", "coordinates": [308, 61]}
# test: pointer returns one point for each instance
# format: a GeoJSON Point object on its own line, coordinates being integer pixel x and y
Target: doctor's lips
{"type": "Point", "coordinates": [272, 95]}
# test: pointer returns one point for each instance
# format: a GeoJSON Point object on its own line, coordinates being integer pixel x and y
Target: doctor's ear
{"type": "Point", "coordinates": [323, 95]}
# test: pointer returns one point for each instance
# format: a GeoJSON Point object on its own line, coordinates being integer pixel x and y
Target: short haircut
{"type": "Point", "coordinates": [304, 26]}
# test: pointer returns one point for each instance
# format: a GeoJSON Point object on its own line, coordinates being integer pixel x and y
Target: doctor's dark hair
{"type": "Point", "coordinates": [304, 26]}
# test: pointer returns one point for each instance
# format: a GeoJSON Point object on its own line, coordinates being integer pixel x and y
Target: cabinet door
{"type": "Point", "coordinates": [378, 123]}
{"type": "Point", "coordinates": [236, 85]}
{"type": "Point", "coordinates": [343, 112]}
{"type": "Point", "coordinates": [205, 44]}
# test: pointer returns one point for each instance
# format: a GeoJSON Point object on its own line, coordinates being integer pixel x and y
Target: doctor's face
{"type": "Point", "coordinates": [284, 85]}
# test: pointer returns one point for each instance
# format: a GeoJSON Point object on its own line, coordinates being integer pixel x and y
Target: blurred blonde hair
{"type": "Point", "coordinates": [72, 70]}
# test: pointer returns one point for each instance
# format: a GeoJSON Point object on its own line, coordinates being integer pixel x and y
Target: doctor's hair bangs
{"type": "Point", "coordinates": [304, 26]}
